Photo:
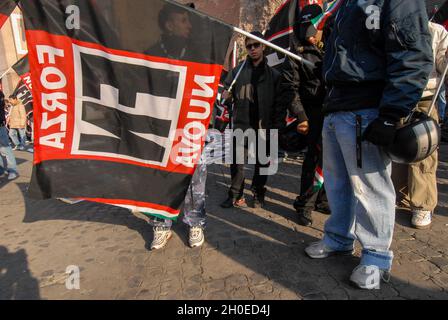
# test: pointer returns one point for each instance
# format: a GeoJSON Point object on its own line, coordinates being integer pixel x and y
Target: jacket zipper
{"type": "Point", "coordinates": [336, 41]}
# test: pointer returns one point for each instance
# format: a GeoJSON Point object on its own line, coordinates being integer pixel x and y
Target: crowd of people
{"type": "Point", "coordinates": [13, 135]}
{"type": "Point", "coordinates": [349, 107]}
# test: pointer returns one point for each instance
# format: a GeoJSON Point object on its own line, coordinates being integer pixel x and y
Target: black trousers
{"type": "Point", "coordinates": [308, 200]}
{"type": "Point", "coordinates": [238, 180]}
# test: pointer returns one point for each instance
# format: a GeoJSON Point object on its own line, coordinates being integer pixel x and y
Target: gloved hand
{"type": "Point", "coordinates": [381, 131]}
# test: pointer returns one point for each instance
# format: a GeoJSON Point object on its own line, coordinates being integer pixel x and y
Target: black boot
{"type": "Point", "coordinates": [228, 203]}
{"type": "Point", "coordinates": [304, 213]}
{"type": "Point", "coordinates": [323, 207]}
{"type": "Point", "coordinates": [259, 196]}
{"type": "Point", "coordinates": [305, 219]}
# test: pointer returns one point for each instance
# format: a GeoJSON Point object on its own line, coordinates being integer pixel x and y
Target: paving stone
{"type": "Point", "coordinates": [242, 293]}
{"type": "Point", "coordinates": [248, 254]}
{"type": "Point", "coordinates": [236, 281]}
{"type": "Point", "coordinates": [262, 289]}
{"type": "Point", "coordinates": [193, 292]}
{"type": "Point", "coordinates": [440, 262]}
{"type": "Point", "coordinates": [214, 285]}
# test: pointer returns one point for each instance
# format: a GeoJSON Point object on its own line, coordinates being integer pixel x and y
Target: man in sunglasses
{"type": "Point", "coordinates": [254, 98]}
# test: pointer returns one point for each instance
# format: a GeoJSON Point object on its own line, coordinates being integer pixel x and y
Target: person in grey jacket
{"type": "Point", "coordinates": [377, 63]}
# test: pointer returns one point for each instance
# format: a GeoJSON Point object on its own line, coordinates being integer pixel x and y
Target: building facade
{"type": "Point", "coordinates": [12, 48]}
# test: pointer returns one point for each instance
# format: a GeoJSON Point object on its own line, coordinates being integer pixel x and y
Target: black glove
{"type": "Point", "coordinates": [381, 132]}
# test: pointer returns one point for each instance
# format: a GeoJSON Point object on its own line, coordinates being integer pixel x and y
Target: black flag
{"type": "Point", "coordinates": [280, 30]}
{"type": "Point", "coordinates": [123, 94]}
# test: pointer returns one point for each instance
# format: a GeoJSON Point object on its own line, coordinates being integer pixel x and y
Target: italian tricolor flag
{"type": "Point", "coordinates": [319, 21]}
{"type": "Point", "coordinates": [318, 179]}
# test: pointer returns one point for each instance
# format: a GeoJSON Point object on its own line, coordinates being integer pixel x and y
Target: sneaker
{"type": "Point", "coordinates": [22, 148]}
{"type": "Point", "coordinates": [161, 237]}
{"type": "Point", "coordinates": [12, 176]}
{"type": "Point", "coordinates": [15, 148]}
{"type": "Point", "coordinates": [229, 203]}
{"type": "Point", "coordinates": [421, 219]}
{"type": "Point", "coordinates": [319, 250]}
{"type": "Point", "coordinates": [196, 237]}
{"type": "Point", "coordinates": [368, 277]}
{"type": "Point", "coordinates": [30, 150]}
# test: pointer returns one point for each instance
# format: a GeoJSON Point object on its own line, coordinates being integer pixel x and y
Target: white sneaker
{"type": "Point", "coordinates": [421, 219]}
{"type": "Point", "coordinates": [368, 277]}
{"type": "Point", "coordinates": [161, 237]}
{"type": "Point", "coordinates": [196, 237]}
{"type": "Point", "coordinates": [318, 250]}
{"type": "Point", "coordinates": [12, 176]}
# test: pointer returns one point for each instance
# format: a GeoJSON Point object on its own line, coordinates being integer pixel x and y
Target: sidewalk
{"type": "Point", "coordinates": [248, 254]}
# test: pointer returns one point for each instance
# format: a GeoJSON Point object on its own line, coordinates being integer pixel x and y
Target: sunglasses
{"type": "Point", "coordinates": [253, 45]}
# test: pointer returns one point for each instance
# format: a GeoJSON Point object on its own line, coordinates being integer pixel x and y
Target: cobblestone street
{"type": "Point", "coordinates": [248, 254]}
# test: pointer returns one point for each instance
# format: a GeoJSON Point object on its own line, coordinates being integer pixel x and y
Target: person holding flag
{"type": "Point", "coordinates": [303, 92]}
{"type": "Point", "coordinates": [176, 25]}
{"type": "Point", "coordinates": [376, 67]}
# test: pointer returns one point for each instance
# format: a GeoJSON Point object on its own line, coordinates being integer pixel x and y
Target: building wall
{"type": "Point", "coordinates": [11, 49]}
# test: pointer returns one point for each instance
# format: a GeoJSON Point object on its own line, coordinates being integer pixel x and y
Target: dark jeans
{"type": "Point", "coordinates": [309, 199]}
{"type": "Point", "coordinates": [237, 173]}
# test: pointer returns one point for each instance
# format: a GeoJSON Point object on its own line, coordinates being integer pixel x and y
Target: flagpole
{"type": "Point", "coordinates": [273, 46]}
{"type": "Point", "coordinates": [9, 69]}
{"type": "Point", "coordinates": [245, 33]}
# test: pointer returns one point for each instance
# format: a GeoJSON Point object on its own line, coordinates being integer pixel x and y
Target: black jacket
{"type": "Point", "coordinates": [370, 67]}
{"type": "Point", "coordinates": [270, 113]}
{"type": "Point", "coordinates": [303, 91]}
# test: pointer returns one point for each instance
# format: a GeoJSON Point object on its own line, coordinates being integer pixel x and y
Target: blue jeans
{"type": "Point", "coordinates": [362, 200]}
{"type": "Point", "coordinates": [18, 137]}
{"type": "Point", "coordinates": [6, 152]}
{"type": "Point", "coordinates": [441, 104]}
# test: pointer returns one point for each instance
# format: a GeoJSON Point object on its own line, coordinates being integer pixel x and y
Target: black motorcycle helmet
{"type": "Point", "coordinates": [416, 140]}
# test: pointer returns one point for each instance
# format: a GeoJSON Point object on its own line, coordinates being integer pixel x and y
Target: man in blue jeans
{"type": "Point", "coordinates": [376, 66]}
{"type": "Point", "coordinates": [5, 149]}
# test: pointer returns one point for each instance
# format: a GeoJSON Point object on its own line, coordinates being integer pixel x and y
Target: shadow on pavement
{"type": "Point", "coordinates": [16, 281]}
{"type": "Point", "coordinates": [262, 245]}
